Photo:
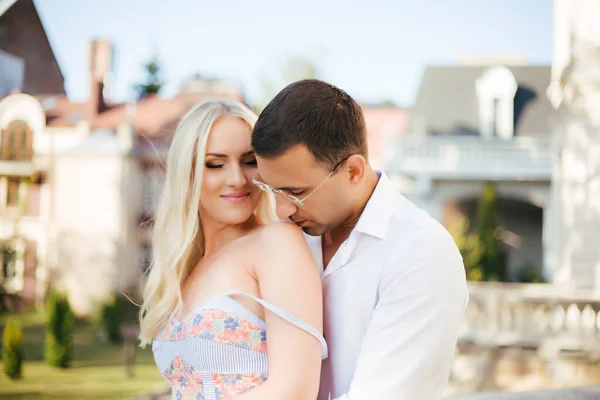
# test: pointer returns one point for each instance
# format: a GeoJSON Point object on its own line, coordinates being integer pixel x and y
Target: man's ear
{"type": "Point", "coordinates": [356, 165]}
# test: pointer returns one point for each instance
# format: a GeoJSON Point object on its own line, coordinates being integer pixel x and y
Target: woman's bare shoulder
{"type": "Point", "coordinates": [280, 233]}
{"type": "Point", "coordinates": [278, 240]}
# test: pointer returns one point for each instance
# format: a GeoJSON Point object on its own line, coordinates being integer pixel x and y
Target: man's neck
{"type": "Point", "coordinates": [333, 239]}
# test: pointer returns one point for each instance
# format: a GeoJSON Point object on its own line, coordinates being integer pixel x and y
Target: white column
{"type": "Point", "coordinates": [548, 232]}
{"type": "Point", "coordinates": [3, 189]}
{"type": "Point", "coordinates": [575, 182]}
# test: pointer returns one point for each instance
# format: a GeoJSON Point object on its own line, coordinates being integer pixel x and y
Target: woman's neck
{"type": "Point", "coordinates": [218, 234]}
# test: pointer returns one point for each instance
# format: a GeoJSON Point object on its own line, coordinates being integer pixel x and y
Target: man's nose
{"type": "Point", "coordinates": [284, 207]}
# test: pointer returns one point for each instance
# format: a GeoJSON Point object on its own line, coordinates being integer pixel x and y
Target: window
{"type": "Point", "coordinates": [11, 145]}
{"type": "Point", "coordinates": [496, 117]}
{"type": "Point", "coordinates": [17, 142]}
{"type": "Point", "coordinates": [9, 262]}
{"type": "Point", "coordinates": [496, 90]}
{"type": "Point", "coordinates": [12, 193]}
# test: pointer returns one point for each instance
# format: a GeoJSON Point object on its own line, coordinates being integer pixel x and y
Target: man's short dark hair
{"type": "Point", "coordinates": [312, 113]}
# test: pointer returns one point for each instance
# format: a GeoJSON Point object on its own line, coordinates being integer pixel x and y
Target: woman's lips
{"type": "Point", "coordinates": [236, 197]}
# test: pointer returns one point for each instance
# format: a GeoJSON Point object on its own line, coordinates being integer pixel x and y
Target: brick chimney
{"type": "Point", "coordinates": [100, 65]}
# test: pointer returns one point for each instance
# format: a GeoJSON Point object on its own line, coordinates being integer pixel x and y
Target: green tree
{"type": "Point", "coordinates": [487, 229]}
{"type": "Point", "coordinates": [468, 245]}
{"type": "Point", "coordinates": [59, 331]}
{"type": "Point", "coordinates": [153, 82]}
{"type": "Point", "coordinates": [12, 352]}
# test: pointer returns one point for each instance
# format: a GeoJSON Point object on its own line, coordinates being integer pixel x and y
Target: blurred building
{"type": "Point", "coordinates": [575, 93]}
{"type": "Point", "coordinates": [78, 181]}
{"type": "Point", "coordinates": [384, 124]}
{"type": "Point", "coordinates": [27, 61]}
{"type": "Point", "coordinates": [533, 131]}
{"type": "Point", "coordinates": [475, 123]}
{"type": "Point", "coordinates": [519, 336]}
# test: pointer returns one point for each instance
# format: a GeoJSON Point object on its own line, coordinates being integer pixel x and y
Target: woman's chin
{"type": "Point", "coordinates": [235, 217]}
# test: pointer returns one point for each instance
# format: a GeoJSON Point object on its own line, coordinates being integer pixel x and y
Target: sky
{"type": "Point", "coordinates": [375, 50]}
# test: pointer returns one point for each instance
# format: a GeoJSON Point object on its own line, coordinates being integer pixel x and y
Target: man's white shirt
{"type": "Point", "coordinates": [394, 295]}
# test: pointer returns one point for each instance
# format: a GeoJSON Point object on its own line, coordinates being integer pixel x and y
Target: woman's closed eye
{"type": "Point", "coordinates": [295, 192]}
{"type": "Point", "coordinates": [214, 165]}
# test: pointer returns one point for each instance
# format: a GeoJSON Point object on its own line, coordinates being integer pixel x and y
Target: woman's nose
{"type": "Point", "coordinates": [236, 177]}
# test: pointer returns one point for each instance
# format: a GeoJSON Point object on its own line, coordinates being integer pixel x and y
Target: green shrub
{"type": "Point", "coordinates": [112, 318]}
{"type": "Point", "coordinates": [59, 331]}
{"type": "Point", "coordinates": [487, 232]}
{"type": "Point", "coordinates": [469, 247]}
{"type": "Point", "coordinates": [527, 273]}
{"type": "Point", "coordinates": [12, 352]}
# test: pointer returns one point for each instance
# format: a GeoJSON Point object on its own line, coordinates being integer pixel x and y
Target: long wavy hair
{"type": "Point", "coordinates": [178, 240]}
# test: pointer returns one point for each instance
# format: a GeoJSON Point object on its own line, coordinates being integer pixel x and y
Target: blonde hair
{"type": "Point", "coordinates": [178, 241]}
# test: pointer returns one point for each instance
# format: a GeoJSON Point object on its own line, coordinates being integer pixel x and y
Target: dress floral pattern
{"type": "Point", "coordinates": [229, 385]}
{"type": "Point", "coordinates": [221, 327]}
{"type": "Point", "coordinates": [216, 354]}
{"type": "Point", "coordinates": [185, 381]}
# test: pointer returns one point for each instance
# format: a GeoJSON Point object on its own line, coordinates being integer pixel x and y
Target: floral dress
{"type": "Point", "coordinates": [219, 350]}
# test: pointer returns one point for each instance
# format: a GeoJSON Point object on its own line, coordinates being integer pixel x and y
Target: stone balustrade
{"type": "Point", "coordinates": [519, 337]}
{"type": "Point", "coordinates": [535, 316]}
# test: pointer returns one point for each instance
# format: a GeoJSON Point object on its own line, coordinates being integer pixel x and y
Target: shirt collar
{"type": "Point", "coordinates": [375, 218]}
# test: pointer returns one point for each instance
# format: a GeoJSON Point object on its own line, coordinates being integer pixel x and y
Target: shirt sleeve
{"type": "Point", "coordinates": [408, 350]}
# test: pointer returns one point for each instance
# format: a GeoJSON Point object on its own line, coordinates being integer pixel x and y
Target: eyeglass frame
{"type": "Point", "coordinates": [265, 187]}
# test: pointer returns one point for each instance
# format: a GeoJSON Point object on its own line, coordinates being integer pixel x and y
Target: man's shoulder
{"type": "Point", "coordinates": [418, 239]}
{"type": "Point", "coordinates": [410, 223]}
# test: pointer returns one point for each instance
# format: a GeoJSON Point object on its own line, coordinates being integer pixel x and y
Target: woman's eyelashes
{"type": "Point", "coordinates": [214, 165]}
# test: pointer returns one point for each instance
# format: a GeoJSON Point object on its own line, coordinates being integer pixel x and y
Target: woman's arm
{"type": "Point", "coordinates": [288, 278]}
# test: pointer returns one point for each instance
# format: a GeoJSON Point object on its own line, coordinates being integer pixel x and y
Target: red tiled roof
{"type": "Point", "coordinates": [153, 117]}
{"type": "Point", "coordinates": [62, 112]}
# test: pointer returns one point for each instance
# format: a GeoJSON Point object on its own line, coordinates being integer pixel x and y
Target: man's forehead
{"type": "Point", "coordinates": [281, 171]}
{"type": "Point", "coordinates": [291, 168]}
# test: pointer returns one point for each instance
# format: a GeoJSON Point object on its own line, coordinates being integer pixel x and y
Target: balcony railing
{"type": "Point", "coordinates": [536, 316]}
{"type": "Point", "coordinates": [23, 168]}
{"type": "Point", "coordinates": [467, 157]}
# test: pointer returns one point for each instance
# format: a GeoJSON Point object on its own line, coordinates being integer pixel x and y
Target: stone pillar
{"type": "Point", "coordinates": [548, 229]}
{"type": "Point", "coordinates": [575, 92]}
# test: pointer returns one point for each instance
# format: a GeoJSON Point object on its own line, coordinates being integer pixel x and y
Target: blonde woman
{"type": "Point", "coordinates": [232, 304]}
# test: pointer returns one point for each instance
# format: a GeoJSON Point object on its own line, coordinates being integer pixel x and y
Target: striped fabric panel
{"type": "Point", "coordinates": [208, 386]}
{"type": "Point", "coordinates": [208, 355]}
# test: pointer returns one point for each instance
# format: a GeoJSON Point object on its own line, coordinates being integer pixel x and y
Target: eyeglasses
{"type": "Point", "coordinates": [298, 202]}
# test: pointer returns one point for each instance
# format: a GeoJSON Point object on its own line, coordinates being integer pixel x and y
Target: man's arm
{"type": "Point", "coordinates": [410, 343]}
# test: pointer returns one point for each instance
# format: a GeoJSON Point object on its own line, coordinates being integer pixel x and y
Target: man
{"type": "Point", "coordinates": [394, 285]}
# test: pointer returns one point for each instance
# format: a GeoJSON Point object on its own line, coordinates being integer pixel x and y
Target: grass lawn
{"type": "Point", "coordinates": [97, 370]}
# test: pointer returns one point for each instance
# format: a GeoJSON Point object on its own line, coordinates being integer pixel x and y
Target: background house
{"type": "Point", "coordinates": [78, 181]}
{"type": "Point", "coordinates": [473, 124]}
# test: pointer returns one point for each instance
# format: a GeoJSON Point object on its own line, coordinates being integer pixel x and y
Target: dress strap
{"type": "Point", "coordinates": [292, 319]}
